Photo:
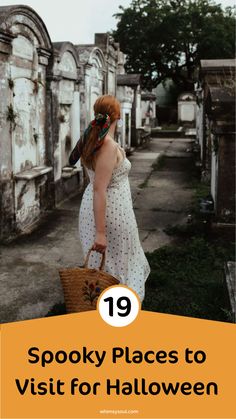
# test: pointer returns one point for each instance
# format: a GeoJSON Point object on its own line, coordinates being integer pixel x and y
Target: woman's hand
{"type": "Point", "coordinates": [100, 243]}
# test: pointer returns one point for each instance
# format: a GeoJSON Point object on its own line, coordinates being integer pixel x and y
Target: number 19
{"type": "Point", "coordinates": [123, 304]}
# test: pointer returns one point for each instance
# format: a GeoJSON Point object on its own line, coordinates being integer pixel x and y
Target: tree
{"type": "Point", "coordinates": [168, 38]}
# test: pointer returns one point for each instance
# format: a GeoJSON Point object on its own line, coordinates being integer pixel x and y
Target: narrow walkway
{"type": "Point", "coordinates": [29, 278]}
{"type": "Point", "coordinates": [165, 196]}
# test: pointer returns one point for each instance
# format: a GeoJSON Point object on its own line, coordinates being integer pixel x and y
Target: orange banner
{"type": "Point", "coordinates": [78, 366]}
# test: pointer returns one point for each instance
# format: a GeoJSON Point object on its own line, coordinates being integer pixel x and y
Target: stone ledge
{"type": "Point", "coordinates": [68, 172]}
{"type": "Point", "coordinates": [32, 173]}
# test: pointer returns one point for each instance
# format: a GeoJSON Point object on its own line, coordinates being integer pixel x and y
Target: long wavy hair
{"type": "Point", "coordinates": [104, 104]}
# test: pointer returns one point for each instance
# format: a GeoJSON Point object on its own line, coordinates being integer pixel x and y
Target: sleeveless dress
{"type": "Point", "coordinates": [125, 258]}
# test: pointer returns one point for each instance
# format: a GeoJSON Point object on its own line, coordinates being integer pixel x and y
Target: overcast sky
{"type": "Point", "coordinates": [78, 20]}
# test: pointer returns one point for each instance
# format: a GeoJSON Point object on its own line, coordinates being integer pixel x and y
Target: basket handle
{"type": "Point", "coordinates": [102, 261]}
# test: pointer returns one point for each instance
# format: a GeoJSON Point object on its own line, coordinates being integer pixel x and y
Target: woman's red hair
{"type": "Point", "coordinates": [104, 104]}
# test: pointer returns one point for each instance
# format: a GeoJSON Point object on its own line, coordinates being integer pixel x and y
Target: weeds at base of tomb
{"type": "Point", "coordinates": [187, 276]}
{"type": "Point", "coordinates": [188, 280]}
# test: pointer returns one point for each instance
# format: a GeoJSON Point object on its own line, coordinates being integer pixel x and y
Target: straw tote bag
{"type": "Point", "coordinates": [82, 286]}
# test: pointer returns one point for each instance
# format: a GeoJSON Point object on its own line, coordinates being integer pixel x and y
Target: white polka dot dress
{"type": "Point", "coordinates": [125, 258]}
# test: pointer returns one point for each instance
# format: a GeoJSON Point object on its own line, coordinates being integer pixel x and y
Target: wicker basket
{"type": "Point", "coordinates": [82, 286]}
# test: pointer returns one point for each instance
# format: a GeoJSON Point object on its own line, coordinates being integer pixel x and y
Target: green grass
{"type": "Point", "coordinates": [201, 190]}
{"type": "Point", "coordinates": [187, 277]}
{"type": "Point", "coordinates": [167, 127]}
{"type": "Point", "coordinates": [188, 280]}
{"type": "Point", "coordinates": [144, 183]}
{"type": "Point", "coordinates": [159, 163]}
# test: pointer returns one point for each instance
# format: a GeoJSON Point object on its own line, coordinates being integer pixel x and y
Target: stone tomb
{"type": "Point", "coordinates": [65, 83]}
{"type": "Point", "coordinates": [25, 48]}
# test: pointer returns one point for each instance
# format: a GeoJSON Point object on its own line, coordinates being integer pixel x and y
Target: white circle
{"type": "Point", "coordinates": [118, 305]}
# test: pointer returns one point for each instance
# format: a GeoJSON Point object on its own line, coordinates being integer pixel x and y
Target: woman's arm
{"type": "Point", "coordinates": [105, 164]}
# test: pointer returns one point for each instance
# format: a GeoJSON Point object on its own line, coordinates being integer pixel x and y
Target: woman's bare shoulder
{"type": "Point", "coordinates": [108, 145]}
{"type": "Point", "coordinates": [108, 148]}
{"type": "Point", "coordinates": [109, 140]}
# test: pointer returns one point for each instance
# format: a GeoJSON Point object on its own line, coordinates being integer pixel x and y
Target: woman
{"type": "Point", "coordinates": [106, 219]}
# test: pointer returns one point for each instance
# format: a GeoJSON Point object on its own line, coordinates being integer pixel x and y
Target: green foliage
{"type": "Point", "coordinates": [144, 184]}
{"type": "Point", "coordinates": [167, 38]}
{"type": "Point", "coordinates": [188, 280]}
{"type": "Point", "coordinates": [169, 127]}
{"type": "Point", "coordinates": [201, 190]}
{"type": "Point", "coordinates": [196, 227]}
{"type": "Point", "coordinates": [159, 163]}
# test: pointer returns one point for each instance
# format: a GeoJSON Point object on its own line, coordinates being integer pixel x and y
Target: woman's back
{"type": "Point", "coordinates": [106, 219]}
{"type": "Point", "coordinates": [125, 258]}
{"type": "Point", "coordinates": [120, 172]}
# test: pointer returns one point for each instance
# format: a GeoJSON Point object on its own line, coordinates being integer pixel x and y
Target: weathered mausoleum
{"type": "Point", "coordinates": [64, 83]}
{"type": "Point", "coordinates": [216, 132]}
{"type": "Point", "coordinates": [25, 161]}
{"type": "Point", "coordinates": [47, 95]}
